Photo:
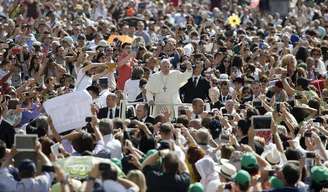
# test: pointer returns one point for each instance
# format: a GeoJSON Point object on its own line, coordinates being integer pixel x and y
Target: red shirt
{"type": "Point", "coordinates": [124, 73]}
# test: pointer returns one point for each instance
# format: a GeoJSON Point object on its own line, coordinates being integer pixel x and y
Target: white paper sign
{"type": "Point", "coordinates": [69, 111]}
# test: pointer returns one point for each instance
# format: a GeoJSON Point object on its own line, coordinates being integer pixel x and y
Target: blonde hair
{"type": "Point", "coordinates": [288, 59]}
{"type": "Point", "coordinates": [137, 177]}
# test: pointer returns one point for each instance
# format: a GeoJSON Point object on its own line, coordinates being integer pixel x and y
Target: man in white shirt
{"type": "Point", "coordinates": [197, 108]}
{"type": "Point", "coordinates": [114, 145]}
{"type": "Point", "coordinates": [104, 92]}
{"type": "Point", "coordinates": [163, 87]}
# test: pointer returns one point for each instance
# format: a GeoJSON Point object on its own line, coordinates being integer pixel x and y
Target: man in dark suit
{"type": "Point", "coordinates": [111, 111]}
{"type": "Point", "coordinates": [7, 133]}
{"type": "Point", "coordinates": [142, 114]}
{"type": "Point", "coordinates": [196, 87]}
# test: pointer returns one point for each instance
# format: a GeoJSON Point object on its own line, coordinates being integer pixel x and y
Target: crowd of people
{"type": "Point", "coordinates": [218, 95]}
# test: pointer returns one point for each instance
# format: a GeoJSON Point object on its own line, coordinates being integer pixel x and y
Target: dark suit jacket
{"type": "Point", "coordinates": [147, 120]}
{"type": "Point", "coordinates": [7, 133]}
{"type": "Point", "coordinates": [103, 113]}
{"type": "Point", "coordinates": [188, 92]}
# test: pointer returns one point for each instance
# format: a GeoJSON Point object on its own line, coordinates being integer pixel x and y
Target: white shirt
{"type": "Point", "coordinates": [114, 146]}
{"type": "Point", "coordinates": [114, 186]}
{"type": "Point", "coordinates": [101, 100]}
{"type": "Point", "coordinates": [131, 89]}
{"type": "Point", "coordinates": [82, 81]}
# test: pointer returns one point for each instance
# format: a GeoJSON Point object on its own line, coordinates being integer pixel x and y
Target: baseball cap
{"type": "Point", "coordinates": [319, 174]}
{"type": "Point", "coordinates": [248, 161]}
{"type": "Point", "coordinates": [242, 177]}
{"type": "Point", "coordinates": [276, 183]}
{"type": "Point", "coordinates": [196, 187]}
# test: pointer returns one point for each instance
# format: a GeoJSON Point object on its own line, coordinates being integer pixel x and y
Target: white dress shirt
{"type": "Point", "coordinates": [114, 146]}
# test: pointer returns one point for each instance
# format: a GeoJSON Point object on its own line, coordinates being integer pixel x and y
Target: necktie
{"type": "Point", "coordinates": [111, 113]}
{"type": "Point", "coordinates": [195, 81]}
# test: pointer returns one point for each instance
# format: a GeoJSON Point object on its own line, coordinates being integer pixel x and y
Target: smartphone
{"type": "Point", "coordinates": [277, 107]}
{"type": "Point", "coordinates": [55, 149]}
{"type": "Point", "coordinates": [25, 142]}
{"type": "Point", "coordinates": [104, 166]}
{"type": "Point", "coordinates": [309, 160]}
{"type": "Point", "coordinates": [261, 122]}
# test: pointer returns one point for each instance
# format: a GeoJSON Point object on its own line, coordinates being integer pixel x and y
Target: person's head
{"type": "Point", "coordinates": [195, 123]}
{"type": "Point", "coordinates": [2, 150]}
{"type": "Point", "coordinates": [106, 126]}
{"type": "Point", "coordinates": [319, 178]}
{"type": "Point", "coordinates": [27, 169]}
{"type": "Point", "coordinates": [171, 163]}
{"type": "Point", "coordinates": [198, 105]}
{"type": "Point", "coordinates": [316, 53]}
{"type": "Point", "coordinates": [126, 47]}
{"type": "Point", "coordinates": [203, 136]}
{"type": "Point", "coordinates": [196, 187]}
{"type": "Point", "coordinates": [249, 163]}
{"type": "Point", "coordinates": [137, 177]}
{"type": "Point", "coordinates": [198, 69]}
{"type": "Point", "coordinates": [137, 73]}
{"type": "Point", "coordinates": [243, 127]}
{"type": "Point", "coordinates": [93, 91]}
{"type": "Point", "coordinates": [290, 174]}
{"type": "Point", "coordinates": [111, 100]}
{"type": "Point", "coordinates": [256, 88]}
{"type": "Point", "coordinates": [83, 142]}
{"type": "Point", "coordinates": [229, 106]}
{"type": "Point", "coordinates": [242, 179]}
{"type": "Point", "coordinates": [165, 66]}
{"type": "Point", "coordinates": [103, 83]}
{"type": "Point", "coordinates": [290, 62]}
{"type": "Point", "coordinates": [140, 26]}
{"type": "Point", "coordinates": [108, 172]}
{"type": "Point", "coordinates": [166, 131]}
{"type": "Point", "coordinates": [141, 111]}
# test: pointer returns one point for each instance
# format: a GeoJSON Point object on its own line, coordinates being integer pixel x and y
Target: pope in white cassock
{"type": "Point", "coordinates": [163, 87]}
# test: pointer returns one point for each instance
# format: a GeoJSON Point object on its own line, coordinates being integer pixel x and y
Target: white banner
{"type": "Point", "coordinates": [69, 111]}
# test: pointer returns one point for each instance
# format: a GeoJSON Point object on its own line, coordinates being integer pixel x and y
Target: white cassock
{"type": "Point", "coordinates": [164, 89]}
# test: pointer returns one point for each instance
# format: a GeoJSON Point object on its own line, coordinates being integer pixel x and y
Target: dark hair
{"type": "Point", "coordinates": [83, 143]}
{"type": "Point", "coordinates": [137, 73]}
{"type": "Point", "coordinates": [302, 54]}
{"type": "Point", "coordinates": [2, 149]}
{"type": "Point", "coordinates": [244, 187]}
{"type": "Point", "coordinates": [244, 126]}
{"type": "Point", "coordinates": [171, 163]}
{"type": "Point", "coordinates": [252, 171]}
{"type": "Point", "coordinates": [291, 173]}
{"type": "Point", "coordinates": [105, 126]}
{"type": "Point", "coordinates": [183, 119]}
{"type": "Point", "coordinates": [109, 174]}
{"type": "Point", "coordinates": [293, 154]}
{"type": "Point", "coordinates": [165, 128]}
{"type": "Point", "coordinates": [142, 82]}
{"type": "Point", "coordinates": [46, 143]}
{"type": "Point", "coordinates": [93, 89]}
{"type": "Point", "coordinates": [237, 62]}
{"type": "Point", "coordinates": [118, 123]}
{"type": "Point", "coordinates": [313, 103]}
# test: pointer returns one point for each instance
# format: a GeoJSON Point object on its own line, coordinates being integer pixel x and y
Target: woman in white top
{"type": "Point", "coordinates": [131, 87]}
{"type": "Point", "coordinates": [87, 73]}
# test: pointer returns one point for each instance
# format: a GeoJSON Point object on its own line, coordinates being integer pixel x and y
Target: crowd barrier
{"type": "Point", "coordinates": [124, 105]}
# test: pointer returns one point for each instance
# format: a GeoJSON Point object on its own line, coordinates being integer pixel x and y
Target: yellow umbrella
{"type": "Point", "coordinates": [122, 38]}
